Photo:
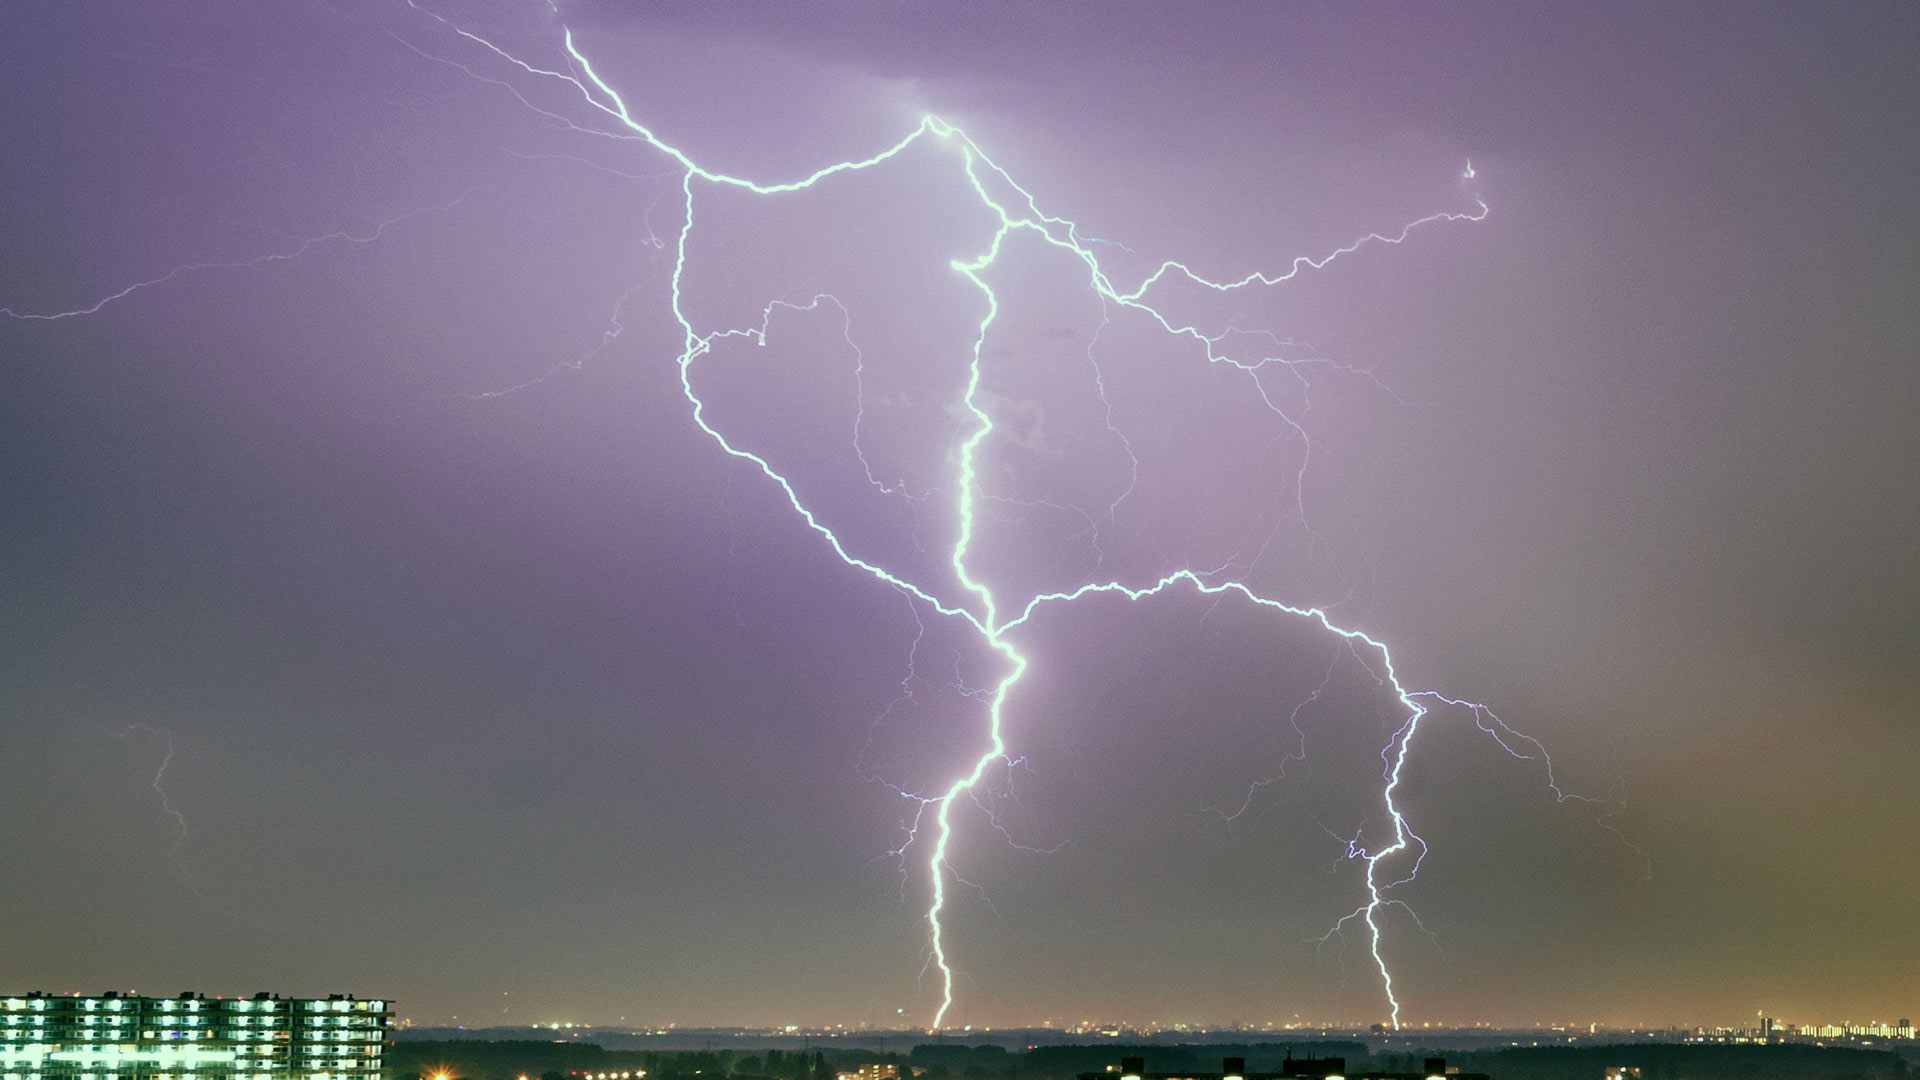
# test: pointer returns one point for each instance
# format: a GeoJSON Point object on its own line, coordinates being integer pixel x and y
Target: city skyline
{"type": "Point", "coordinates": [471, 543]}
{"type": "Point", "coordinates": [228, 1013]}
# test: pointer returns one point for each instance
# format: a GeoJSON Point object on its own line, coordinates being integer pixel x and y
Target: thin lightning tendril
{"type": "Point", "coordinates": [166, 800]}
{"type": "Point", "coordinates": [304, 245]}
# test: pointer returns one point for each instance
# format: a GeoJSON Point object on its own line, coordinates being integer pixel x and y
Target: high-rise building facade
{"type": "Point", "coordinates": [191, 1037]}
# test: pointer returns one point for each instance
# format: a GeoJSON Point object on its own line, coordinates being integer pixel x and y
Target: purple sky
{"type": "Point", "coordinates": [481, 678]}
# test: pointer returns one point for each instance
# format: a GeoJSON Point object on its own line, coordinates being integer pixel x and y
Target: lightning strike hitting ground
{"type": "Point", "coordinates": [984, 611]}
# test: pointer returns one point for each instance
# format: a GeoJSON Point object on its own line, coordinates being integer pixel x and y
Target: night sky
{"type": "Point", "coordinates": [375, 617]}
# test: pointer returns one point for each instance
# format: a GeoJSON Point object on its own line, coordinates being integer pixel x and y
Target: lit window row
{"type": "Point", "coordinates": [192, 1005]}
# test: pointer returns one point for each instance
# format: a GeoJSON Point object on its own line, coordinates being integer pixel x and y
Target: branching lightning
{"type": "Point", "coordinates": [995, 619]}
{"type": "Point", "coordinates": [984, 611]}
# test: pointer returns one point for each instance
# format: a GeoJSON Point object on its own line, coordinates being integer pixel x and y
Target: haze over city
{"type": "Point", "coordinates": [1211, 516]}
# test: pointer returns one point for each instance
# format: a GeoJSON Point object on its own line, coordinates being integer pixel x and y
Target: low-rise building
{"type": "Point", "coordinates": [116, 1036]}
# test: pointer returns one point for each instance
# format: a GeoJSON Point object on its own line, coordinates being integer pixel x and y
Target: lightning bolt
{"type": "Point", "coordinates": [991, 617]}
